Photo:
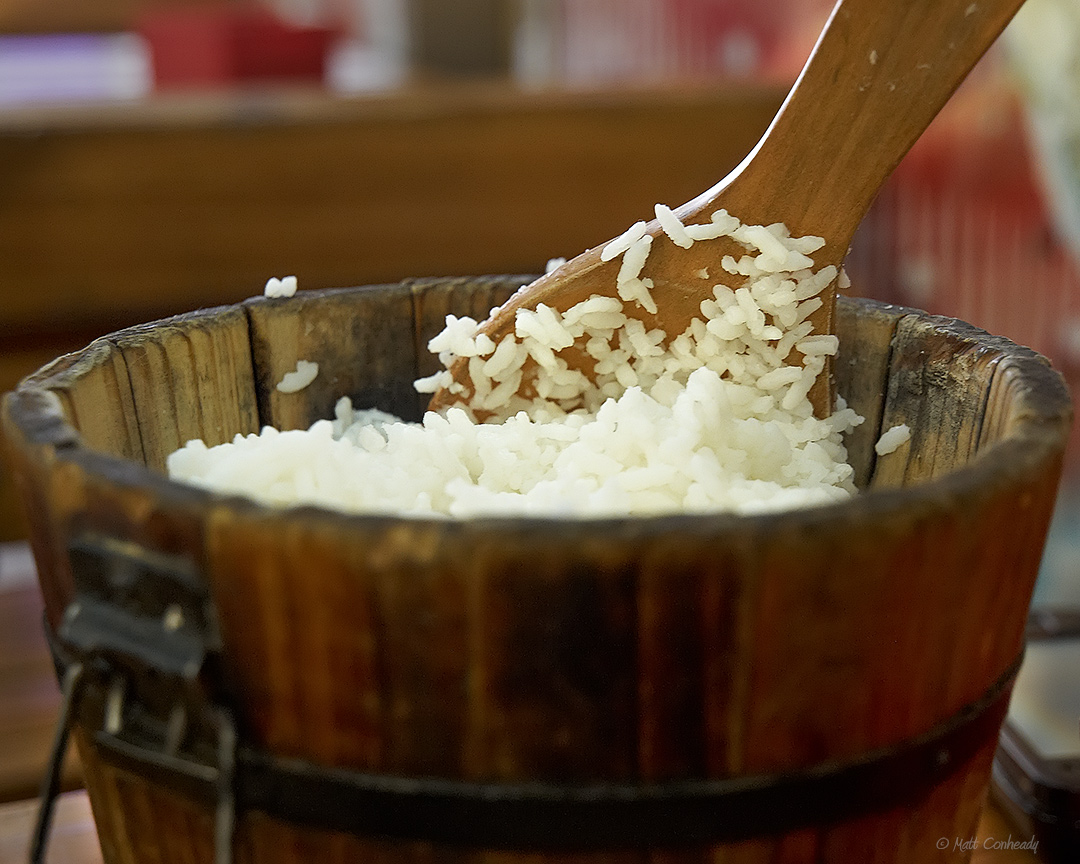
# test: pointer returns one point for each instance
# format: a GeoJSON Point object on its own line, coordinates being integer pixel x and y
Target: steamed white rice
{"type": "Point", "coordinates": [712, 419]}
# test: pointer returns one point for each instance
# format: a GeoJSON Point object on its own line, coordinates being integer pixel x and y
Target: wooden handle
{"type": "Point", "coordinates": [878, 75]}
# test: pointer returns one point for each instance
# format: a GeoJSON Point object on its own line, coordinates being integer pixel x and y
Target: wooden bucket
{"type": "Point", "coordinates": [823, 685]}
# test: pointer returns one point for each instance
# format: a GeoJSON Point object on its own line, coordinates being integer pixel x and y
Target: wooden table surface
{"type": "Point", "coordinates": [28, 702]}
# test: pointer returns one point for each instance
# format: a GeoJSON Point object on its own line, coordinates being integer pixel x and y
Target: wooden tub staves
{"type": "Point", "coordinates": [295, 686]}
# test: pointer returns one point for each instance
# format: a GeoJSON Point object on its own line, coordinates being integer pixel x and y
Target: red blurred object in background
{"type": "Point", "coordinates": [196, 46]}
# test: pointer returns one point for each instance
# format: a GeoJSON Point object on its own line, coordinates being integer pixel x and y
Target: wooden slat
{"type": "Point", "coordinates": [19, 359]}
{"type": "Point", "coordinates": [34, 431]}
{"type": "Point", "coordinates": [939, 379]}
{"type": "Point", "coordinates": [362, 340]}
{"type": "Point", "coordinates": [69, 489]}
{"type": "Point", "coordinates": [190, 378]}
{"type": "Point", "coordinates": [1013, 399]}
{"type": "Point", "coordinates": [554, 653]}
{"type": "Point", "coordinates": [126, 806]}
{"type": "Point", "coordinates": [861, 369]}
{"type": "Point", "coordinates": [288, 651]}
{"type": "Point", "coordinates": [95, 393]}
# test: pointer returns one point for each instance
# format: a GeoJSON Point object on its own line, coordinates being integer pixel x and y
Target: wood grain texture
{"type": "Point", "coordinates": [191, 377]}
{"type": "Point", "coordinates": [364, 348]}
{"type": "Point", "coordinates": [861, 374]}
{"type": "Point", "coordinates": [76, 839]}
{"type": "Point", "coordinates": [95, 394]}
{"type": "Point", "coordinates": [611, 649]}
{"type": "Point", "coordinates": [938, 386]}
{"type": "Point", "coordinates": [20, 359]}
{"type": "Point", "coordinates": [34, 430]}
{"type": "Point", "coordinates": [140, 822]}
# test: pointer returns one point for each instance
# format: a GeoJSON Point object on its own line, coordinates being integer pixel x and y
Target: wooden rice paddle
{"type": "Point", "coordinates": [880, 72]}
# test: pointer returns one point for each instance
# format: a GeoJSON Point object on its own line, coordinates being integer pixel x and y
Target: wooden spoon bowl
{"type": "Point", "coordinates": [880, 72]}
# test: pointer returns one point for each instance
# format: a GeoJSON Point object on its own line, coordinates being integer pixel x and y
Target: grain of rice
{"type": "Point", "coordinates": [807, 308]}
{"type": "Point", "coordinates": [634, 259]}
{"type": "Point", "coordinates": [772, 250]}
{"type": "Point", "coordinates": [283, 287]}
{"type": "Point", "coordinates": [722, 219]}
{"type": "Point", "coordinates": [709, 231]}
{"type": "Point", "coordinates": [623, 242]}
{"type": "Point", "coordinates": [780, 377]}
{"type": "Point", "coordinates": [821, 344]}
{"type": "Point", "coordinates": [808, 244]}
{"type": "Point", "coordinates": [295, 381]}
{"type": "Point", "coordinates": [502, 358]}
{"type": "Point", "coordinates": [892, 439]}
{"type": "Point", "coordinates": [673, 226]}
{"type": "Point", "coordinates": [432, 382]}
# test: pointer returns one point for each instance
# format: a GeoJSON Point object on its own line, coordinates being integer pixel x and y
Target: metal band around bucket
{"type": "Point", "coordinates": [568, 817]}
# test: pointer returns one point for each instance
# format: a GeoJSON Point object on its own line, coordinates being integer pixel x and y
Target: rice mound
{"type": "Point", "coordinates": [714, 419]}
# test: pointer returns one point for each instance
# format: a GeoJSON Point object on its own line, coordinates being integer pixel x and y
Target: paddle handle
{"type": "Point", "coordinates": [878, 75]}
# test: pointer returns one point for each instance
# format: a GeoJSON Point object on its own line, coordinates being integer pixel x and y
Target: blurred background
{"type": "Point", "coordinates": [157, 156]}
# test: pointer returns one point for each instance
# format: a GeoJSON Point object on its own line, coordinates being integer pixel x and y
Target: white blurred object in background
{"type": "Point", "coordinates": [375, 53]}
{"type": "Point", "coordinates": [73, 68]}
{"type": "Point", "coordinates": [1044, 45]}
